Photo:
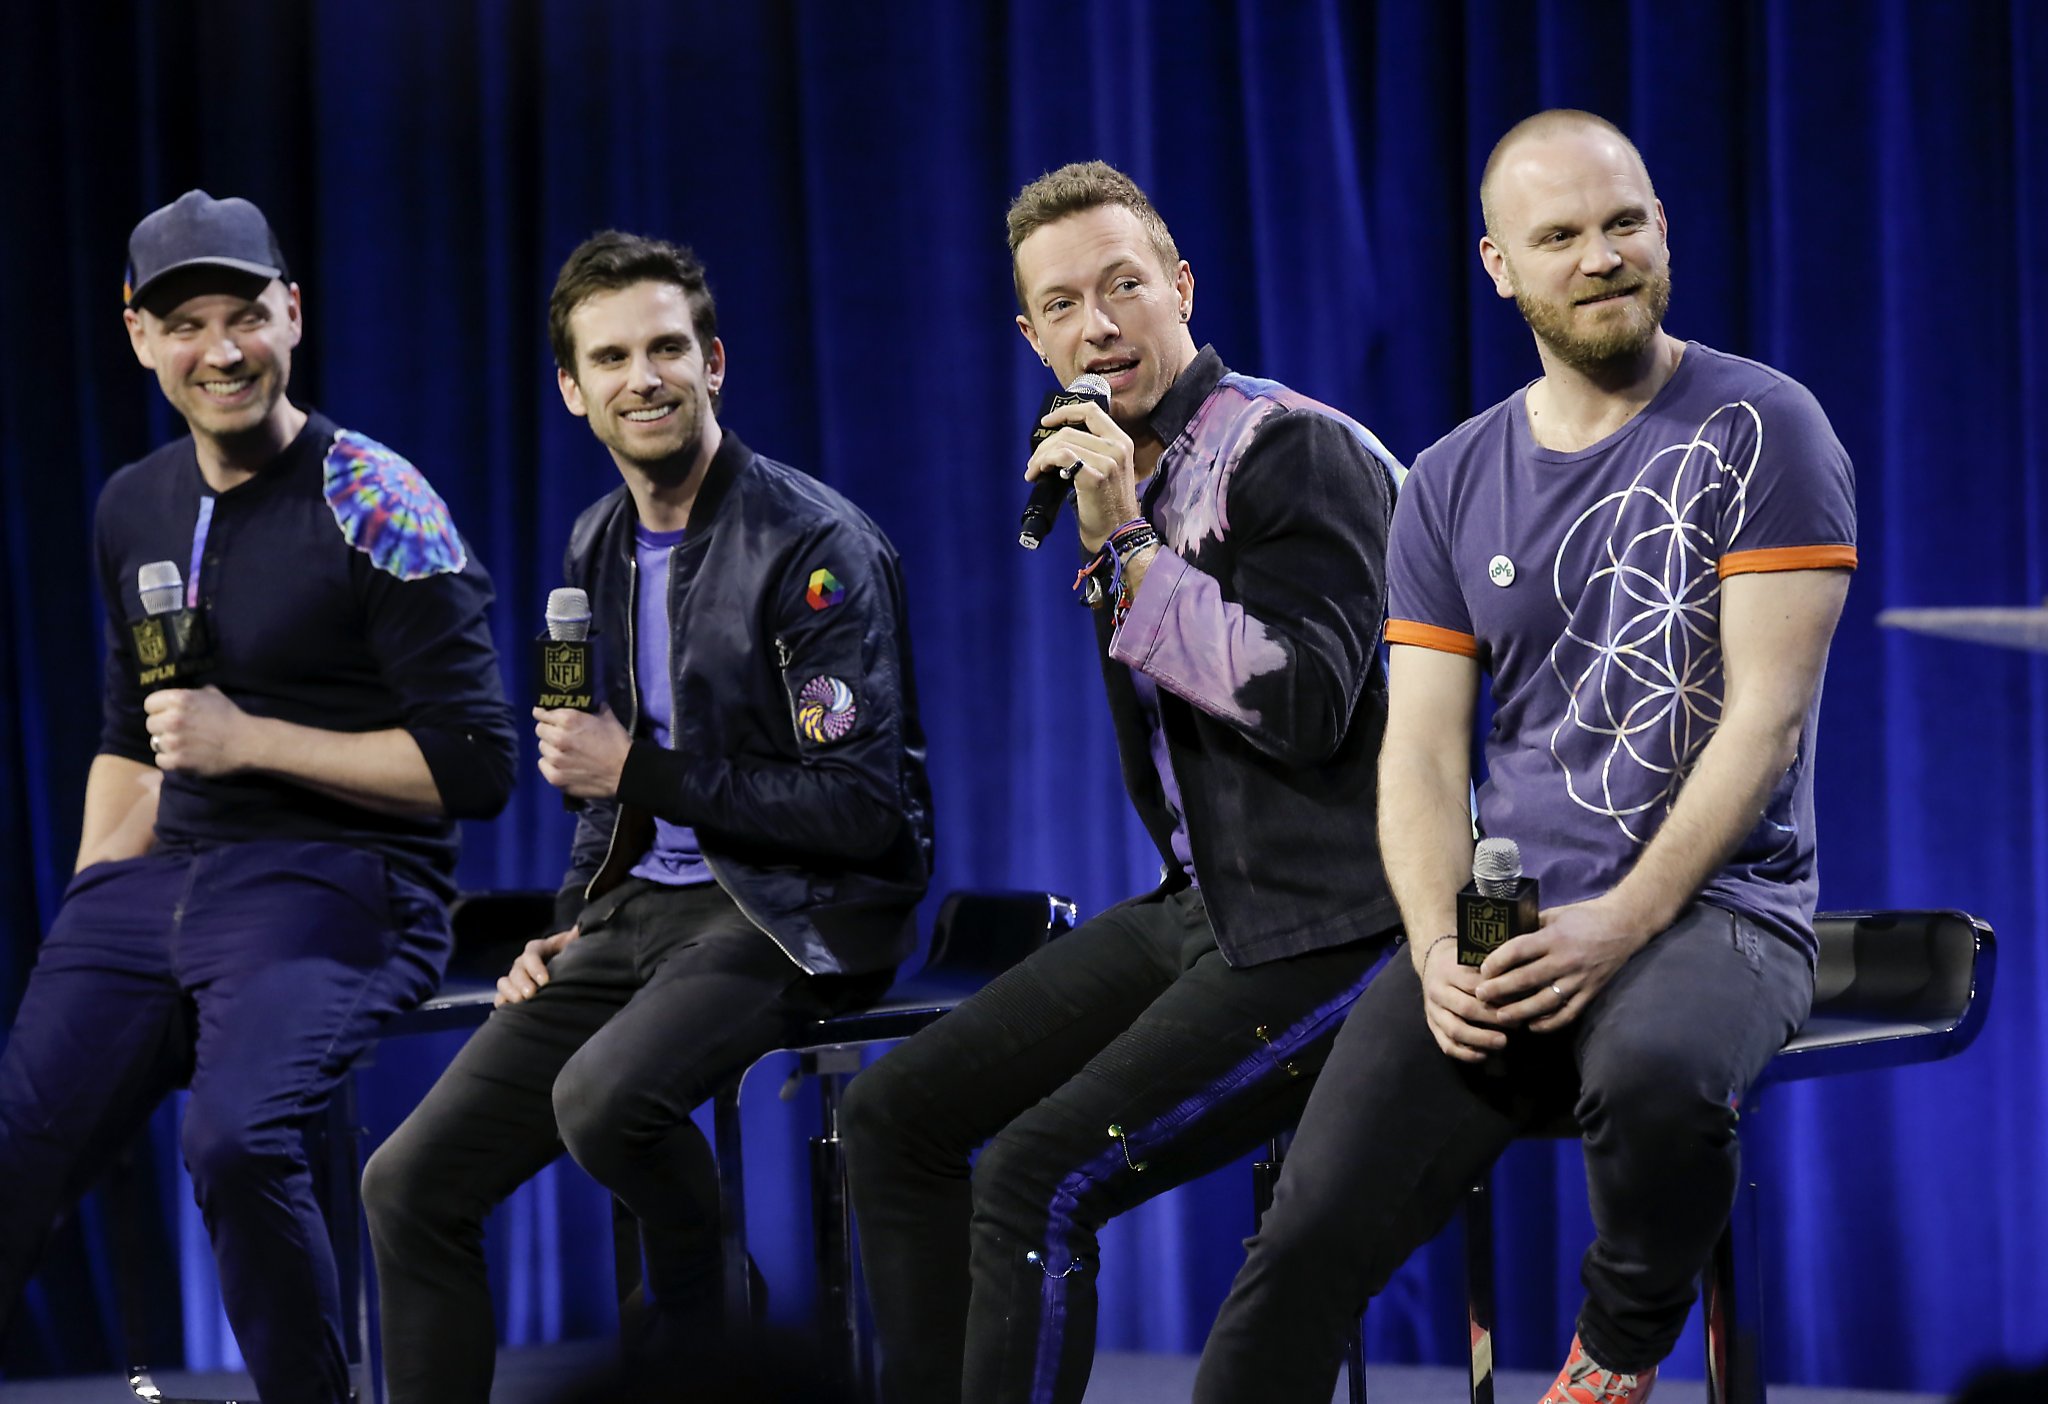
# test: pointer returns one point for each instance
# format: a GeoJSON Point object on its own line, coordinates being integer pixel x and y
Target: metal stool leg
{"type": "Point", "coordinates": [732, 1208]}
{"type": "Point", "coordinates": [1479, 1286]}
{"type": "Point", "coordinates": [1266, 1174]}
{"type": "Point", "coordinates": [1732, 1308]}
{"type": "Point", "coordinates": [832, 1222]}
{"type": "Point", "coordinates": [629, 1276]}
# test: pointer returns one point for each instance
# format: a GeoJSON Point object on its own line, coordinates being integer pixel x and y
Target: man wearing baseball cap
{"type": "Point", "coordinates": [300, 698]}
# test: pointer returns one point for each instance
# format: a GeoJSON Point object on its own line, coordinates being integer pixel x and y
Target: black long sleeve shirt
{"type": "Point", "coordinates": [340, 597]}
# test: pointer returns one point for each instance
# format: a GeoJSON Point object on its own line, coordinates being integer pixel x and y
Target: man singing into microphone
{"type": "Point", "coordinates": [755, 832]}
{"type": "Point", "coordinates": [268, 846]}
{"type": "Point", "coordinates": [1647, 549]}
{"type": "Point", "coordinates": [1238, 531]}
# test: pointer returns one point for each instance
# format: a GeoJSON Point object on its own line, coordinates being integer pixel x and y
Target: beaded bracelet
{"type": "Point", "coordinates": [1132, 537]}
{"type": "Point", "coordinates": [1125, 542]}
{"type": "Point", "coordinates": [1102, 579]}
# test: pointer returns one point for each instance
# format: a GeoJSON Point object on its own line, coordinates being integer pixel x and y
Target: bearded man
{"type": "Point", "coordinates": [1647, 550]}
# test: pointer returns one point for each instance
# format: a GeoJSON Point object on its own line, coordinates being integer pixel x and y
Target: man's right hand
{"type": "Point", "coordinates": [1459, 1020]}
{"type": "Point", "coordinates": [530, 971]}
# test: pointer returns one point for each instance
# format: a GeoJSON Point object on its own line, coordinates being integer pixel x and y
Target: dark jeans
{"type": "Point", "coordinates": [1121, 1060]}
{"type": "Point", "coordinates": [1653, 1071]}
{"type": "Point", "coordinates": [668, 994]}
{"type": "Point", "coordinates": [257, 971]}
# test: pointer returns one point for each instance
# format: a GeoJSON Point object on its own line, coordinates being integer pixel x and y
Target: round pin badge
{"type": "Point", "coordinates": [1501, 571]}
{"type": "Point", "coordinates": [826, 709]}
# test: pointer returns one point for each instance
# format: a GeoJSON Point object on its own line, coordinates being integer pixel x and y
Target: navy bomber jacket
{"type": "Point", "coordinates": [1259, 622]}
{"type": "Point", "coordinates": [796, 755]}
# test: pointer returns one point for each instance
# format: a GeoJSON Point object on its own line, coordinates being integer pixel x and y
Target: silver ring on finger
{"type": "Point", "coordinates": [156, 744]}
{"type": "Point", "coordinates": [1562, 997]}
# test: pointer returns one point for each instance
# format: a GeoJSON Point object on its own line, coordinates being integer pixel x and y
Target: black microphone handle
{"type": "Point", "coordinates": [1049, 490]}
{"type": "Point", "coordinates": [575, 688]}
{"type": "Point", "coordinates": [1048, 493]}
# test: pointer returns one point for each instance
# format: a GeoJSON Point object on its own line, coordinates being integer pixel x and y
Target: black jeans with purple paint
{"type": "Point", "coordinates": [1121, 1060]}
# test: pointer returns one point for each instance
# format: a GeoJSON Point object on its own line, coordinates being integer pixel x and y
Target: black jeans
{"type": "Point", "coordinates": [668, 994]}
{"type": "Point", "coordinates": [1123, 1059]}
{"type": "Point", "coordinates": [1654, 1071]}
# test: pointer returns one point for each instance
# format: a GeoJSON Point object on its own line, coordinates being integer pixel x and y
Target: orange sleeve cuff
{"type": "Point", "coordinates": [1788, 558]}
{"type": "Point", "coordinates": [1407, 631]}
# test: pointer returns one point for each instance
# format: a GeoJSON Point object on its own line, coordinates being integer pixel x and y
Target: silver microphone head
{"type": "Point", "coordinates": [161, 587]}
{"type": "Point", "coordinates": [1089, 383]}
{"type": "Point", "coordinates": [568, 615]}
{"type": "Point", "coordinates": [1496, 867]}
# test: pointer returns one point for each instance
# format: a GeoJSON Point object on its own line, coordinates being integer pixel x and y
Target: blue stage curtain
{"type": "Point", "coordinates": [1858, 194]}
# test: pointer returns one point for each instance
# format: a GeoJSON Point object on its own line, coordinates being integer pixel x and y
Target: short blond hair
{"type": "Point", "coordinates": [1073, 188]}
{"type": "Point", "coordinates": [1548, 123]}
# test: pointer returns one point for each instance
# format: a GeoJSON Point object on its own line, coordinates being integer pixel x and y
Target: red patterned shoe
{"type": "Point", "coordinates": [1585, 1381]}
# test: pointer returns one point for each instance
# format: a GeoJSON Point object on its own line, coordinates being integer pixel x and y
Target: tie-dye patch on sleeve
{"type": "Point", "coordinates": [387, 510]}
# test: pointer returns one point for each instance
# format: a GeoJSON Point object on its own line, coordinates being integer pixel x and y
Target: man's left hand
{"type": "Point", "coordinates": [1106, 479]}
{"type": "Point", "coordinates": [581, 753]}
{"type": "Point", "coordinates": [1546, 978]}
{"type": "Point", "coordinates": [196, 730]}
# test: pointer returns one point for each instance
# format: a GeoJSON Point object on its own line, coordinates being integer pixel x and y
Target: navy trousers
{"type": "Point", "coordinates": [255, 973]}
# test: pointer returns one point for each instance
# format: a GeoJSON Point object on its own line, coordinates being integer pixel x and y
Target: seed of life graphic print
{"type": "Point", "coordinates": [1640, 655]}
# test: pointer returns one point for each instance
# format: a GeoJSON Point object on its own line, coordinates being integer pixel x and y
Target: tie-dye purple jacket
{"type": "Point", "coordinates": [1259, 622]}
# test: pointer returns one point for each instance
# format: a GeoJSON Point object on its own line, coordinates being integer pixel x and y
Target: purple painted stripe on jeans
{"type": "Point", "coordinates": [1301, 1033]}
{"type": "Point", "coordinates": [1052, 1312]}
{"type": "Point", "coordinates": [1052, 1317]}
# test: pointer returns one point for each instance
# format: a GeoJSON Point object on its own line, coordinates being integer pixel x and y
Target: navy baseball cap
{"type": "Point", "coordinates": [197, 231]}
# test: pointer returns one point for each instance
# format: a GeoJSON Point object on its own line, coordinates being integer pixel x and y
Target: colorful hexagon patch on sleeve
{"type": "Point", "coordinates": [386, 509]}
{"type": "Point", "coordinates": [825, 709]}
{"type": "Point", "coordinates": [824, 590]}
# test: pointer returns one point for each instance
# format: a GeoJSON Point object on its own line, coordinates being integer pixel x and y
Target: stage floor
{"type": "Point", "coordinates": [538, 1376]}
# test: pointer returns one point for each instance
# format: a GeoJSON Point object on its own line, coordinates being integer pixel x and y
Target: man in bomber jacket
{"type": "Point", "coordinates": [754, 836]}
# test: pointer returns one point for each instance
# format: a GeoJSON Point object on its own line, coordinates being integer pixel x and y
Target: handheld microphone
{"type": "Point", "coordinates": [1049, 490]}
{"type": "Point", "coordinates": [568, 616]}
{"type": "Point", "coordinates": [567, 674]}
{"type": "Point", "coordinates": [1498, 905]}
{"type": "Point", "coordinates": [160, 586]}
{"type": "Point", "coordinates": [172, 642]}
{"type": "Point", "coordinates": [566, 678]}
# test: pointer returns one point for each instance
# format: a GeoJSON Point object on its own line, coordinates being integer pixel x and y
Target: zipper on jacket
{"type": "Point", "coordinates": [633, 720]}
{"type": "Point", "coordinates": [750, 914]}
{"type": "Point", "coordinates": [675, 712]}
{"type": "Point", "coordinates": [782, 660]}
{"type": "Point", "coordinates": [632, 677]}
